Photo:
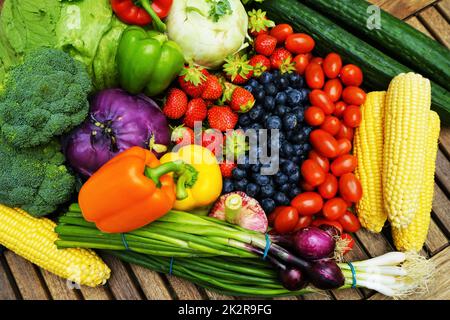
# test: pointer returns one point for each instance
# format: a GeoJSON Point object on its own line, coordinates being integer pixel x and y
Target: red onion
{"type": "Point", "coordinates": [313, 243]}
{"type": "Point", "coordinates": [293, 278]}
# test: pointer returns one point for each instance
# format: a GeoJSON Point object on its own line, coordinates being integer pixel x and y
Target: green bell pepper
{"type": "Point", "coordinates": [147, 61]}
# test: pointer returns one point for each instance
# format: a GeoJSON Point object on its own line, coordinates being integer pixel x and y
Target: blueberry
{"type": "Point", "coordinates": [228, 186]}
{"type": "Point", "coordinates": [298, 149]}
{"type": "Point", "coordinates": [287, 150]}
{"type": "Point", "coordinates": [268, 205]}
{"type": "Point", "coordinates": [295, 97]}
{"type": "Point", "coordinates": [265, 117]}
{"type": "Point", "coordinates": [306, 147]}
{"type": "Point", "coordinates": [260, 179]}
{"type": "Point", "coordinates": [294, 177]}
{"type": "Point", "coordinates": [305, 93]}
{"type": "Point", "coordinates": [240, 185]}
{"type": "Point", "coordinates": [281, 98]}
{"type": "Point", "coordinates": [270, 89]}
{"type": "Point", "coordinates": [256, 112]}
{"type": "Point", "coordinates": [289, 121]}
{"type": "Point", "coordinates": [294, 191]}
{"type": "Point", "coordinates": [288, 167]}
{"type": "Point", "coordinates": [265, 77]}
{"type": "Point", "coordinates": [239, 173]}
{"type": "Point", "coordinates": [298, 137]}
{"type": "Point", "coordinates": [283, 83]}
{"type": "Point", "coordinates": [293, 77]}
{"type": "Point", "coordinates": [307, 130]}
{"type": "Point", "coordinates": [282, 137]}
{"type": "Point", "coordinates": [252, 190]}
{"type": "Point", "coordinates": [276, 73]}
{"type": "Point", "coordinates": [253, 83]}
{"type": "Point", "coordinates": [299, 113]}
{"type": "Point", "coordinates": [256, 168]}
{"type": "Point", "coordinates": [244, 120]}
{"type": "Point", "coordinates": [281, 178]}
{"type": "Point", "coordinates": [249, 88]}
{"type": "Point", "coordinates": [269, 103]}
{"type": "Point", "coordinates": [256, 126]}
{"type": "Point", "coordinates": [245, 165]}
{"type": "Point", "coordinates": [267, 191]}
{"type": "Point", "coordinates": [296, 159]}
{"type": "Point", "coordinates": [259, 95]}
{"type": "Point", "coordinates": [284, 188]}
{"type": "Point", "coordinates": [273, 122]}
{"type": "Point", "coordinates": [281, 199]}
{"type": "Point", "coordinates": [281, 110]}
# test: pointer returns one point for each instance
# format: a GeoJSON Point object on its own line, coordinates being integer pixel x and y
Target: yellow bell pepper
{"type": "Point", "coordinates": [208, 186]}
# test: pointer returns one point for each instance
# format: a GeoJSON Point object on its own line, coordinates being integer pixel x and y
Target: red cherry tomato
{"type": "Point", "coordinates": [312, 172]}
{"type": "Point", "coordinates": [281, 32]}
{"type": "Point", "coordinates": [343, 164]}
{"type": "Point", "coordinates": [322, 161]}
{"type": "Point", "coordinates": [301, 62]}
{"type": "Point", "coordinates": [319, 98]}
{"type": "Point", "coordinates": [352, 116]}
{"type": "Point", "coordinates": [333, 89]}
{"type": "Point", "coordinates": [307, 203]}
{"type": "Point", "coordinates": [299, 43]}
{"type": "Point", "coordinates": [334, 208]}
{"type": "Point", "coordinates": [315, 78]}
{"type": "Point", "coordinates": [350, 188]}
{"type": "Point", "coordinates": [286, 220]}
{"type": "Point", "coordinates": [306, 186]}
{"type": "Point", "coordinates": [314, 116]}
{"type": "Point", "coordinates": [324, 143]}
{"type": "Point", "coordinates": [349, 222]}
{"type": "Point", "coordinates": [350, 244]}
{"type": "Point", "coordinates": [303, 222]}
{"type": "Point", "coordinates": [339, 108]}
{"type": "Point", "coordinates": [271, 218]}
{"type": "Point", "coordinates": [319, 222]}
{"type": "Point", "coordinates": [351, 75]}
{"type": "Point", "coordinates": [345, 132]}
{"type": "Point", "coordinates": [332, 65]}
{"type": "Point", "coordinates": [344, 146]}
{"type": "Point", "coordinates": [317, 60]}
{"type": "Point", "coordinates": [354, 95]}
{"type": "Point", "coordinates": [331, 125]}
{"type": "Point", "coordinates": [329, 187]}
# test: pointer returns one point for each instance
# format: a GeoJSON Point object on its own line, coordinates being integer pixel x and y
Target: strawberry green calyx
{"type": "Point", "coordinates": [235, 144]}
{"type": "Point", "coordinates": [257, 21]}
{"type": "Point", "coordinates": [287, 66]}
{"type": "Point", "coordinates": [237, 65]}
{"type": "Point", "coordinates": [227, 91]}
{"type": "Point", "coordinates": [193, 75]}
{"type": "Point", "coordinates": [259, 69]}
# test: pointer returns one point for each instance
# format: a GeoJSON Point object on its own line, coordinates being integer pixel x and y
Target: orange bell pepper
{"type": "Point", "coordinates": [132, 190]}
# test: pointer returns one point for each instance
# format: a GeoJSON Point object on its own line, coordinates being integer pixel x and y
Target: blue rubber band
{"type": "Point", "coordinates": [124, 241]}
{"type": "Point", "coordinates": [352, 268]}
{"type": "Point", "coordinates": [171, 266]}
{"type": "Point", "coordinates": [266, 249]}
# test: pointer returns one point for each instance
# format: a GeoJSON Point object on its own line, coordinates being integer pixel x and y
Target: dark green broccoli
{"type": "Point", "coordinates": [46, 96]}
{"type": "Point", "coordinates": [34, 179]}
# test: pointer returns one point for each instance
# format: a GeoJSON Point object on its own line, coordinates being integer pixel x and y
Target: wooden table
{"type": "Point", "coordinates": [20, 279]}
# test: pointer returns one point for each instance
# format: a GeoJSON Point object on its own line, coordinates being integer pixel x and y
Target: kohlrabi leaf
{"type": "Point", "coordinates": [219, 8]}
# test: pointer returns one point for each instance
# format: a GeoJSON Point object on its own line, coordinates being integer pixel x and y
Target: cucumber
{"type": "Point", "coordinates": [378, 68]}
{"type": "Point", "coordinates": [395, 37]}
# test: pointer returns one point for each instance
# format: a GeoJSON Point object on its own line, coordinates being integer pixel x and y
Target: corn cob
{"type": "Point", "coordinates": [33, 239]}
{"type": "Point", "coordinates": [408, 103]}
{"type": "Point", "coordinates": [414, 235]}
{"type": "Point", "coordinates": [368, 149]}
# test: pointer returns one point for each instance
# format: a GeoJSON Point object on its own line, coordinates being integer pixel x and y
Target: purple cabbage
{"type": "Point", "coordinates": [116, 122]}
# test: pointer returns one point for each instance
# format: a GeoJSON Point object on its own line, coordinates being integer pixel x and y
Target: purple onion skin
{"type": "Point", "coordinates": [313, 243]}
{"type": "Point", "coordinates": [127, 121]}
{"type": "Point", "coordinates": [293, 278]}
{"type": "Point", "coordinates": [332, 231]}
{"type": "Point", "coordinates": [326, 275]}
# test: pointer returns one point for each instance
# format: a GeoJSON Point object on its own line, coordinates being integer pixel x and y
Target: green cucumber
{"type": "Point", "coordinates": [378, 68]}
{"type": "Point", "coordinates": [395, 37]}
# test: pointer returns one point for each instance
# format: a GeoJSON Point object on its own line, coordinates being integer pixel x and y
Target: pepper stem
{"type": "Point", "coordinates": [157, 22]}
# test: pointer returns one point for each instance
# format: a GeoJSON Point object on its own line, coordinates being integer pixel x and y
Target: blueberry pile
{"type": "Point", "coordinates": [281, 100]}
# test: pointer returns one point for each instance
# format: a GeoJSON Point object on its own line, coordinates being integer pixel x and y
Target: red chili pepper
{"type": "Point", "coordinates": [130, 12]}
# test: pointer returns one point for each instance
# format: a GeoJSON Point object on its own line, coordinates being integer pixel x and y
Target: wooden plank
{"type": "Point", "coordinates": [441, 207]}
{"type": "Point", "coordinates": [414, 22]}
{"type": "Point", "coordinates": [402, 8]}
{"type": "Point", "coordinates": [121, 282]}
{"type": "Point", "coordinates": [26, 277]}
{"type": "Point", "coordinates": [436, 239]}
{"type": "Point", "coordinates": [324, 295]}
{"type": "Point", "coordinates": [438, 289]}
{"type": "Point", "coordinates": [374, 243]}
{"type": "Point", "coordinates": [6, 288]}
{"type": "Point", "coordinates": [213, 295]}
{"type": "Point", "coordinates": [151, 283]}
{"type": "Point", "coordinates": [435, 22]}
{"type": "Point", "coordinates": [444, 8]}
{"type": "Point", "coordinates": [98, 293]}
{"type": "Point", "coordinates": [184, 289]}
{"type": "Point", "coordinates": [444, 140]}
{"type": "Point", "coordinates": [290, 298]}
{"type": "Point", "coordinates": [60, 289]}
{"type": "Point", "coordinates": [443, 170]}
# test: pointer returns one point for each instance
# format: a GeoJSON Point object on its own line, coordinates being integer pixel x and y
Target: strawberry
{"type": "Point", "coordinates": [242, 100]}
{"type": "Point", "coordinates": [212, 140]}
{"type": "Point", "coordinates": [182, 136]}
{"type": "Point", "coordinates": [265, 44]}
{"type": "Point", "coordinates": [235, 144]}
{"type": "Point", "coordinates": [196, 111]}
{"type": "Point", "coordinates": [176, 104]}
{"type": "Point", "coordinates": [222, 118]}
{"type": "Point", "coordinates": [226, 168]}
{"type": "Point", "coordinates": [281, 59]}
{"type": "Point", "coordinates": [237, 69]}
{"type": "Point", "coordinates": [192, 80]}
{"type": "Point", "coordinates": [227, 92]}
{"type": "Point", "coordinates": [213, 88]}
{"type": "Point", "coordinates": [258, 22]}
{"type": "Point", "coordinates": [260, 64]}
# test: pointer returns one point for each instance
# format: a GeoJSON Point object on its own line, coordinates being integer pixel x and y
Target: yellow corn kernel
{"type": "Point", "coordinates": [408, 103]}
{"type": "Point", "coordinates": [414, 235]}
{"type": "Point", "coordinates": [368, 149]}
{"type": "Point", "coordinates": [33, 238]}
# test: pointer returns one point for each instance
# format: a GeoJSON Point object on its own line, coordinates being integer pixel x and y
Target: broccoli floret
{"type": "Point", "coordinates": [34, 179]}
{"type": "Point", "coordinates": [46, 96]}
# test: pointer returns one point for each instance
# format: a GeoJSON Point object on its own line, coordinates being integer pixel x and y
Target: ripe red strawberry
{"type": "Point", "coordinates": [182, 136]}
{"type": "Point", "coordinates": [265, 44]}
{"type": "Point", "coordinates": [281, 59]}
{"type": "Point", "coordinates": [192, 80]}
{"type": "Point", "coordinates": [258, 22]}
{"type": "Point", "coordinates": [196, 111]}
{"type": "Point", "coordinates": [222, 118]}
{"type": "Point", "coordinates": [212, 140]}
{"type": "Point", "coordinates": [226, 168]}
{"type": "Point", "coordinates": [176, 104]}
{"type": "Point", "coordinates": [260, 64]}
{"type": "Point", "coordinates": [213, 88]}
{"type": "Point", "coordinates": [242, 100]}
{"type": "Point", "coordinates": [237, 69]}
